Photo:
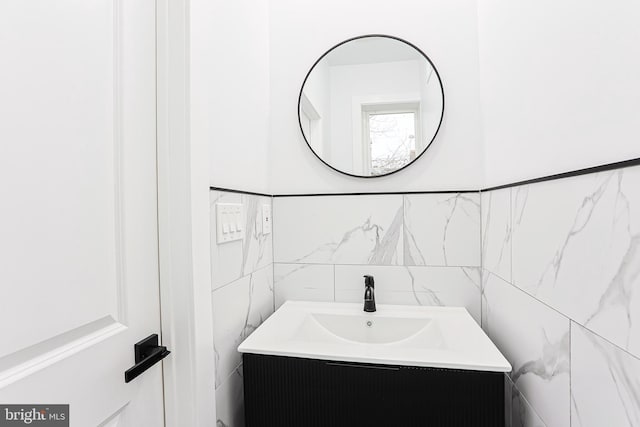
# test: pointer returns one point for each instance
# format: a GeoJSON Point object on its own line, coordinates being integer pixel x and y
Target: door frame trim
{"type": "Point", "coordinates": [183, 230]}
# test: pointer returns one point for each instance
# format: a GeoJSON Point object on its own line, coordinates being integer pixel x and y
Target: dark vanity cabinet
{"type": "Point", "coordinates": [295, 392]}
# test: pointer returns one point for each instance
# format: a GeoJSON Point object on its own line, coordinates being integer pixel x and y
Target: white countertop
{"type": "Point", "coordinates": [439, 337]}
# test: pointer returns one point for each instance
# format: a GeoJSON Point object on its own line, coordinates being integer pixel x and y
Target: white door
{"type": "Point", "coordinates": [78, 208]}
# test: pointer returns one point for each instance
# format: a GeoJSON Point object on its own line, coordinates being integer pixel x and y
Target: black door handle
{"type": "Point", "coordinates": [147, 353]}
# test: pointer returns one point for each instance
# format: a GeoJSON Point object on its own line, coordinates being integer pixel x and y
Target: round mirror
{"type": "Point", "coordinates": [371, 105]}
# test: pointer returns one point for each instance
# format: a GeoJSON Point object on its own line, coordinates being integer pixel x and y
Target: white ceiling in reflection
{"type": "Point", "coordinates": [371, 51]}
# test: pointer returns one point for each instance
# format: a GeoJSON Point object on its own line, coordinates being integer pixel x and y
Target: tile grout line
{"type": "Point", "coordinates": [379, 265]}
{"type": "Point", "coordinates": [523, 397]}
{"type": "Point", "coordinates": [273, 254]}
{"type": "Point", "coordinates": [404, 230]}
{"type": "Point", "coordinates": [482, 227]}
{"type": "Point", "coordinates": [511, 281]}
{"type": "Point", "coordinates": [228, 377]}
{"type": "Point", "coordinates": [570, 369]}
{"type": "Point", "coordinates": [569, 318]}
{"type": "Point", "coordinates": [334, 282]}
{"type": "Point", "coordinates": [241, 277]}
{"type": "Point", "coordinates": [511, 387]}
{"type": "Point", "coordinates": [482, 269]}
{"type": "Point", "coordinates": [511, 235]}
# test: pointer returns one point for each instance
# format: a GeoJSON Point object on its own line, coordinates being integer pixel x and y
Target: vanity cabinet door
{"type": "Point", "coordinates": [294, 392]}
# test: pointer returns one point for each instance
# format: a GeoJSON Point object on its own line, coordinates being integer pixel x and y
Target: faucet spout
{"type": "Point", "coordinates": [369, 297]}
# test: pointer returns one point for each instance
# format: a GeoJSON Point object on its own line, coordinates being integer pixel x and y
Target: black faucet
{"type": "Point", "coordinates": [369, 298]}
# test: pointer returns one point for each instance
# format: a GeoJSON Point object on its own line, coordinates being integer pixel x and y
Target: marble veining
{"type": "Point", "coordinates": [413, 285]}
{"type": "Point", "coordinates": [385, 248]}
{"type": "Point", "coordinates": [339, 230]}
{"type": "Point", "coordinates": [238, 309]}
{"type": "Point", "coordinates": [254, 316]}
{"type": "Point", "coordinates": [445, 286]}
{"type": "Point", "coordinates": [559, 293]}
{"type": "Point", "coordinates": [588, 264]}
{"type": "Point", "coordinates": [229, 401]}
{"type": "Point", "coordinates": [462, 202]}
{"type": "Point", "coordinates": [255, 242]}
{"type": "Point", "coordinates": [442, 229]}
{"type": "Point", "coordinates": [621, 288]}
{"type": "Point", "coordinates": [242, 298]}
{"type": "Point", "coordinates": [521, 412]}
{"type": "Point", "coordinates": [496, 232]}
{"type": "Point", "coordinates": [605, 382]}
{"type": "Point", "coordinates": [474, 275]}
{"type": "Point", "coordinates": [520, 196]}
{"type": "Point", "coordinates": [536, 340]}
{"type": "Point", "coordinates": [464, 287]}
{"type": "Point", "coordinates": [580, 222]}
{"type": "Point", "coordinates": [233, 260]}
{"type": "Point", "coordinates": [575, 246]}
{"type": "Point", "coordinates": [553, 361]}
{"type": "Point", "coordinates": [384, 243]}
{"type": "Point", "coordinates": [429, 293]}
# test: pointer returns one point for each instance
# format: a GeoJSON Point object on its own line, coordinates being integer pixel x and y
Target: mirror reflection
{"type": "Point", "coordinates": [371, 105]}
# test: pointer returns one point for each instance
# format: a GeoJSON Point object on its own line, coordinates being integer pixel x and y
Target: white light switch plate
{"type": "Point", "coordinates": [229, 225]}
{"type": "Point", "coordinates": [266, 219]}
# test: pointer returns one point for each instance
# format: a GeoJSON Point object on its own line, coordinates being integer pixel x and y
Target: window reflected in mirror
{"type": "Point", "coordinates": [371, 106]}
{"type": "Point", "coordinates": [390, 138]}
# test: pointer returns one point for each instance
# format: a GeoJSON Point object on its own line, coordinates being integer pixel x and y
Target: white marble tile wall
{"type": "Point", "coordinates": [442, 229]}
{"type": "Point", "coordinates": [535, 340]}
{"type": "Point", "coordinates": [444, 286]}
{"type": "Point", "coordinates": [588, 265]}
{"type": "Point", "coordinates": [230, 401]}
{"type": "Point", "coordinates": [238, 309]}
{"type": "Point", "coordinates": [233, 260]}
{"type": "Point", "coordinates": [338, 230]}
{"type": "Point", "coordinates": [519, 410]}
{"type": "Point", "coordinates": [551, 270]}
{"type": "Point", "coordinates": [421, 248]}
{"type": "Point", "coordinates": [605, 382]}
{"type": "Point", "coordinates": [561, 297]}
{"type": "Point", "coordinates": [242, 298]}
{"type": "Point", "coordinates": [496, 232]}
{"type": "Point", "coordinates": [308, 282]}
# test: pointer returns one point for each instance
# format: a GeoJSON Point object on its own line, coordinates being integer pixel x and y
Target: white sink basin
{"type": "Point", "coordinates": [445, 337]}
{"type": "Point", "coordinates": [363, 328]}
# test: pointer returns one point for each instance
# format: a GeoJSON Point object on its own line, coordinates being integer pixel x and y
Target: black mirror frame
{"type": "Point", "coordinates": [357, 38]}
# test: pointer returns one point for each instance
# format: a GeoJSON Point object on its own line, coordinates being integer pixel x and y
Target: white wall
{"type": "Point", "coordinates": [558, 88]}
{"type": "Point", "coordinates": [302, 30]}
{"type": "Point", "coordinates": [230, 77]}
{"type": "Point", "coordinates": [228, 99]}
{"type": "Point", "coordinates": [317, 91]}
{"type": "Point", "coordinates": [364, 80]}
{"type": "Point", "coordinates": [430, 110]}
{"type": "Point", "coordinates": [559, 85]}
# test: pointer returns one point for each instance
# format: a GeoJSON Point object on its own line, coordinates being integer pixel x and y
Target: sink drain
{"type": "Point", "coordinates": [369, 323]}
